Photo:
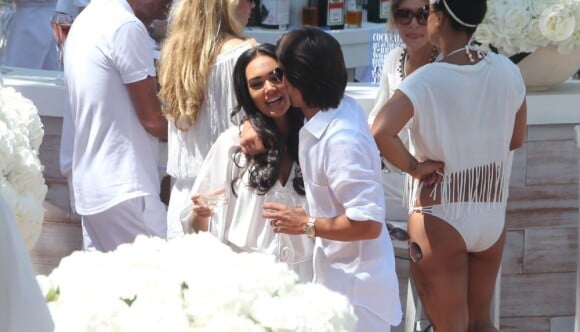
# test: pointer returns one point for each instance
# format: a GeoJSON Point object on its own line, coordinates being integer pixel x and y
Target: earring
{"type": "Point", "coordinates": [437, 23]}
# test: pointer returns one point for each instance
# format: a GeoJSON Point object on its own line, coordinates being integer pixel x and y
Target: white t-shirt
{"type": "Point", "coordinates": [342, 174]}
{"type": "Point", "coordinates": [245, 228]}
{"type": "Point", "coordinates": [114, 157]}
{"type": "Point", "coordinates": [464, 116]}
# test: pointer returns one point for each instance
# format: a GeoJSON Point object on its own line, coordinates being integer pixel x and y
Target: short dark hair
{"type": "Point", "coordinates": [471, 12]}
{"type": "Point", "coordinates": [313, 63]}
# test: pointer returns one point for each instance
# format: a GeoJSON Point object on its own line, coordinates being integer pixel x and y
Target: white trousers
{"type": "Point", "coordinates": [123, 222]}
{"type": "Point", "coordinates": [30, 42]}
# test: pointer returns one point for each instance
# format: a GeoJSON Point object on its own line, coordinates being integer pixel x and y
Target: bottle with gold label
{"type": "Point", "coordinates": [331, 14]}
{"type": "Point", "coordinates": [377, 11]}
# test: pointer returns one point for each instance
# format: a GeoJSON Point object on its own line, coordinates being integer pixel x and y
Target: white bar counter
{"type": "Point", "coordinates": [559, 105]}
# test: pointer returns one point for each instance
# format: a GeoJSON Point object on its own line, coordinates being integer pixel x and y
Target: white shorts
{"type": "Point", "coordinates": [123, 222]}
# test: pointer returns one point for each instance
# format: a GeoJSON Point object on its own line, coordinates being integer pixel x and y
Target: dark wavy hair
{"type": "Point", "coordinates": [471, 12]}
{"type": "Point", "coordinates": [264, 168]}
{"type": "Point", "coordinates": [314, 64]}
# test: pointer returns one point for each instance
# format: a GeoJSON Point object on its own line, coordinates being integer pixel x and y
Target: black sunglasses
{"type": "Point", "coordinates": [399, 234]}
{"type": "Point", "coordinates": [276, 76]}
{"type": "Point", "coordinates": [405, 16]}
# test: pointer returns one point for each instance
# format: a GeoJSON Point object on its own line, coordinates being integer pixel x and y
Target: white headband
{"type": "Point", "coordinates": [453, 14]}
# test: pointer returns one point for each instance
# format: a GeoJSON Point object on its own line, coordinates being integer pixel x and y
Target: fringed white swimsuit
{"type": "Point", "coordinates": [464, 117]}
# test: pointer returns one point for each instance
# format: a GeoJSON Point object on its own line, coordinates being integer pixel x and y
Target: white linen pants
{"type": "Point", "coordinates": [122, 223]}
{"type": "Point", "coordinates": [30, 43]}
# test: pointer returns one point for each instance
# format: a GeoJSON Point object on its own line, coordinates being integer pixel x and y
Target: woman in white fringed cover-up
{"type": "Point", "coordinates": [469, 113]}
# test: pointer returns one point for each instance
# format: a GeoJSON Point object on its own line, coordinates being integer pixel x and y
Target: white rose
{"type": "Point", "coordinates": [557, 23]}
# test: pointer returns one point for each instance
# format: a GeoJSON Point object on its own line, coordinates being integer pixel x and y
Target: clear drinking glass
{"type": "Point", "coordinates": [60, 23]}
{"type": "Point", "coordinates": [284, 249]}
{"type": "Point", "coordinates": [213, 196]}
{"type": "Point", "coordinates": [6, 14]}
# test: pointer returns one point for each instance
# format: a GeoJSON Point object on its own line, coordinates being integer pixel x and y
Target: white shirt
{"type": "Point", "coordinates": [114, 157]}
{"type": "Point", "coordinates": [241, 224]}
{"type": "Point", "coordinates": [342, 174]}
{"type": "Point", "coordinates": [22, 306]}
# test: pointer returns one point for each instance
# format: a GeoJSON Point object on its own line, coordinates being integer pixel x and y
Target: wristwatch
{"type": "Point", "coordinates": [309, 228]}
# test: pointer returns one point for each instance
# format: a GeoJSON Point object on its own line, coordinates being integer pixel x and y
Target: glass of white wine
{"type": "Point", "coordinates": [284, 250]}
{"type": "Point", "coordinates": [60, 23]}
{"type": "Point", "coordinates": [215, 199]}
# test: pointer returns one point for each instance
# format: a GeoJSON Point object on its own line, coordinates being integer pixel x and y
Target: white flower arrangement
{"type": "Point", "coordinates": [521, 26]}
{"type": "Point", "coordinates": [22, 183]}
{"type": "Point", "coordinates": [193, 283]}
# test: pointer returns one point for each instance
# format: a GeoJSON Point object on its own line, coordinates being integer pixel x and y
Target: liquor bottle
{"type": "Point", "coordinates": [310, 13]}
{"type": "Point", "coordinates": [255, 18]}
{"type": "Point", "coordinates": [377, 11]}
{"type": "Point", "coordinates": [275, 14]}
{"type": "Point", "coordinates": [331, 14]}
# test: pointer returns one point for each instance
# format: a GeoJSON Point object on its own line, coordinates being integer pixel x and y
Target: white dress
{"type": "Point", "coordinates": [187, 149]}
{"type": "Point", "coordinates": [393, 182]}
{"type": "Point", "coordinates": [22, 306]}
{"type": "Point", "coordinates": [240, 223]}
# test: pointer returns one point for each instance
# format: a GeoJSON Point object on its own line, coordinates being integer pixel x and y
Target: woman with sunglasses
{"type": "Point", "coordinates": [408, 19]}
{"type": "Point", "coordinates": [469, 114]}
{"type": "Point", "coordinates": [247, 179]}
{"type": "Point", "coordinates": [204, 41]}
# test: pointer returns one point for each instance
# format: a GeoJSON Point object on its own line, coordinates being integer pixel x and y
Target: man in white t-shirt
{"type": "Point", "coordinates": [110, 77]}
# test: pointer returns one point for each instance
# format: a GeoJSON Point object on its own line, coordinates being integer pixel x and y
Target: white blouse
{"type": "Point", "coordinates": [240, 223]}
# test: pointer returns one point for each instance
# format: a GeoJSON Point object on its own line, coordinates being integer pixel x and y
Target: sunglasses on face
{"type": "Point", "coordinates": [405, 16]}
{"type": "Point", "coordinates": [276, 76]}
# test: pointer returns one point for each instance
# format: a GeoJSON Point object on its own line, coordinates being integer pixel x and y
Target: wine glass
{"type": "Point", "coordinates": [60, 23]}
{"type": "Point", "coordinates": [284, 249]}
{"type": "Point", "coordinates": [214, 198]}
{"type": "Point", "coordinates": [6, 14]}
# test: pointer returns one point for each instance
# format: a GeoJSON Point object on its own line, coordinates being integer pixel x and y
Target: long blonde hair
{"type": "Point", "coordinates": [196, 31]}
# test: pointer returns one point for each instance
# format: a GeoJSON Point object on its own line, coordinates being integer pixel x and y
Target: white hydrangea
{"type": "Point", "coordinates": [22, 183]}
{"type": "Point", "coordinates": [521, 26]}
{"type": "Point", "coordinates": [193, 283]}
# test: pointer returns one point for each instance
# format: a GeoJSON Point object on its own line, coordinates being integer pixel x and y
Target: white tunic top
{"type": "Point", "coordinates": [342, 174]}
{"type": "Point", "coordinates": [464, 116]}
{"type": "Point", "coordinates": [240, 224]}
{"type": "Point", "coordinates": [187, 149]}
{"type": "Point", "coordinates": [114, 157]}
